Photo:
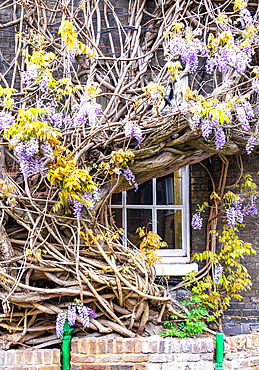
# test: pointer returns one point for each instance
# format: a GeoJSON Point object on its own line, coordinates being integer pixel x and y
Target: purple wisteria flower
{"type": "Point", "coordinates": [84, 313]}
{"type": "Point", "coordinates": [206, 127]}
{"type": "Point", "coordinates": [89, 199]}
{"type": "Point", "coordinates": [72, 55]}
{"type": "Point", "coordinates": [188, 51]}
{"type": "Point", "coordinates": [218, 270]}
{"type": "Point", "coordinates": [184, 107]}
{"type": "Point", "coordinates": [27, 153]}
{"type": "Point", "coordinates": [30, 75]}
{"type": "Point", "coordinates": [234, 213]}
{"type": "Point", "coordinates": [61, 319]}
{"type": "Point", "coordinates": [6, 120]}
{"type": "Point", "coordinates": [130, 177]}
{"type": "Point", "coordinates": [196, 119]}
{"type": "Point", "coordinates": [220, 137]}
{"type": "Point", "coordinates": [86, 110]}
{"type": "Point", "coordinates": [242, 118]}
{"type": "Point", "coordinates": [47, 150]}
{"type": "Point", "coordinates": [71, 315]}
{"type": "Point", "coordinates": [246, 15]}
{"type": "Point", "coordinates": [133, 130]}
{"type": "Point", "coordinates": [238, 58]}
{"type": "Point", "coordinates": [44, 83]}
{"type": "Point", "coordinates": [250, 144]}
{"type": "Point", "coordinates": [248, 109]}
{"type": "Point", "coordinates": [196, 221]}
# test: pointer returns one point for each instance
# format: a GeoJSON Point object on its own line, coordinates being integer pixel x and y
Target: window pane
{"type": "Point", "coordinates": [168, 189]}
{"type": "Point", "coordinates": [117, 199]}
{"type": "Point", "coordinates": [117, 217]}
{"type": "Point", "coordinates": [137, 218]}
{"type": "Point", "coordinates": [144, 194]}
{"type": "Point", "coordinates": [169, 227]}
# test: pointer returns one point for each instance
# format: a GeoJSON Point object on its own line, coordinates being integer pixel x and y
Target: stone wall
{"type": "Point", "coordinates": [153, 353]}
{"type": "Point", "coordinates": [242, 352]}
{"type": "Point", "coordinates": [41, 359]}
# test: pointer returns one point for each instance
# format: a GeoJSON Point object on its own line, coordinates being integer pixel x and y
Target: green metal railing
{"type": "Point", "coordinates": [219, 351]}
{"type": "Point", "coordinates": [67, 334]}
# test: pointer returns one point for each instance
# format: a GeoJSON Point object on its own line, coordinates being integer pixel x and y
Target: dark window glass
{"type": "Point", "coordinates": [117, 216]}
{"type": "Point", "coordinates": [137, 218]}
{"type": "Point", "coordinates": [169, 227]}
{"type": "Point", "coordinates": [168, 190]}
{"type": "Point", "coordinates": [144, 195]}
{"type": "Point", "coordinates": [117, 199]}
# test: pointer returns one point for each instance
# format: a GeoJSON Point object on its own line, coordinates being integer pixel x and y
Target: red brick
{"type": "Point", "coordinates": [161, 346]}
{"type": "Point", "coordinates": [18, 358]}
{"type": "Point", "coordinates": [196, 348]}
{"type": "Point", "coordinates": [110, 346]}
{"type": "Point", "coordinates": [82, 346]}
{"type": "Point", "coordinates": [232, 344]}
{"type": "Point", "coordinates": [245, 364]}
{"type": "Point", "coordinates": [140, 367]}
{"type": "Point", "coordinates": [101, 346]}
{"type": "Point", "coordinates": [9, 357]}
{"type": "Point", "coordinates": [38, 357]}
{"type": "Point", "coordinates": [92, 346]}
{"type": "Point", "coordinates": [56, 356]}
{"type": "Point", "coordinates": [120, 367]}
{"type": "Point", "coordinates": [248, 341]}
{"type": "Point", "coordinates": [46, 356]}
{"type": "Point", "coordinates": [129, 345]}
{"type": "Point", "coordinates": [82, 359]}
{"type": "Point", "coordinates": [94, 367]}
{"type": "Point", "coordinates": [135, 358]}
{"type": "Point", "coordinates": [109, 358]}
{"type": "Point", "coordinates": [203, 346]}
{"type": "Point", "coordinates": [74, 345]}
{"type": "Point", "coordinates": [153, 346]}
{"type": "Point", "coordinates": [137, 346]}
{"type": "Point", "coordinates": [118, 345]}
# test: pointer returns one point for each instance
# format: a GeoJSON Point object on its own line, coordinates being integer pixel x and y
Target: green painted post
{"type": "Point", "coordinates": [219, 351]}
{"type": "Point", "coordinates": [67, 334]}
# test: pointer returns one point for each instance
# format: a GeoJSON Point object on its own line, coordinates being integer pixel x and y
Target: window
{"type": "Point", "coordinates": [161, 205]}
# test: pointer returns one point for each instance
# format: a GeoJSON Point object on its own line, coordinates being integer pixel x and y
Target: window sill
{"type": "Point", "coordinates": [175, 269]}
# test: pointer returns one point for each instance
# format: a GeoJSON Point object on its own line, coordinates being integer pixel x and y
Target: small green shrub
{"type": "Point", "coordinates": [193, 324]}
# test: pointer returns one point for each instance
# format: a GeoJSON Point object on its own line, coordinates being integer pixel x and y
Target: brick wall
{"type": "Point", "coordinates": [247, 310]}
{"type": "Point", "coordinates": [242, 352]}
{"type": "Point", "coordinates": [153, 353]}
{"type": "Point", "coordinates": [41, 359]}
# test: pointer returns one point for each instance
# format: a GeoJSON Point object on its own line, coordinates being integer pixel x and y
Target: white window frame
{"type": "Point", "coordinates": [170, 256]}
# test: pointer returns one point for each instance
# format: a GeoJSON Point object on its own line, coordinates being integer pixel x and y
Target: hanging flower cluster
{"type": "Point", "coordinates": [6, 120]}
{"type": "Point", "coordinates": [32, 140]}
{"type": "Point", "coordinates": [30, 75]}
{"type": "Point", "coordinates": [86, 109]}
{"type": "Point", "coordinates": [84, 313]}
{"type": "Point", "coordinates": [130, 177]}
{"type": "Point", "coordinates": [213, 116]}
{"type": "Point", "coordinates": [88, 199]}
{"type": "Point", "coordinates": [226, 50]}
{"type": "Point", "coordinates": [218, 270]}
{"type": "Point", "coordinates": [234, 206]}
{"type": "Point", "coordinates": [184, 43]}
{"type": "Point", "coordinates": [133, 130]}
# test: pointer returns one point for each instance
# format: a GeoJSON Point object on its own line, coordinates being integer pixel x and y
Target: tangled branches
{"type": "Point", "coordinates": [94, 100]}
